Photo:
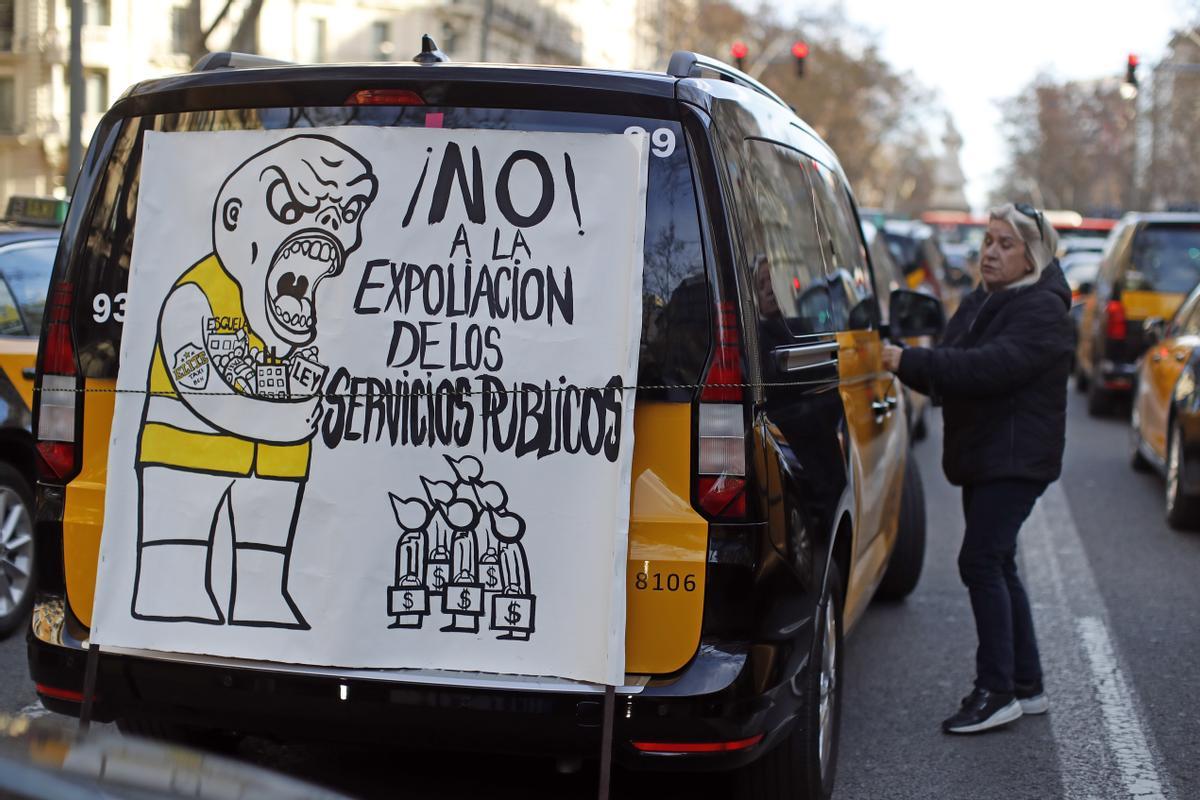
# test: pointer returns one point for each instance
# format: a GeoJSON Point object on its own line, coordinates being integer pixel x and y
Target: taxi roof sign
{"type": "Point", "coordinates": [33, 210]}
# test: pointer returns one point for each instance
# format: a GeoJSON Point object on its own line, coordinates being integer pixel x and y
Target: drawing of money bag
{"type": "Point", "coordinates": [512, 610]}
{"type": "Point", "coordinates": [408, 598]}
{"type": "Point", "coordinates": [469, 472]}
{"type": "Point", "coordinates": [437, 566]}
{"type": "Point", "coordinates": [463, 596]}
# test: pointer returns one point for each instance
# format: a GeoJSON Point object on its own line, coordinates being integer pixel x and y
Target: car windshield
{"type": "Point", "coordinates": [1165, 258]}
{"type": "Point", "coordinates": [26, 267]}
{"type": "Point", "coordinates": [675, 313]}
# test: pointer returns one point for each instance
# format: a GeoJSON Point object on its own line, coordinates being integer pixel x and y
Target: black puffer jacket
{"type": "Point", "coordinates": [1001, 373]}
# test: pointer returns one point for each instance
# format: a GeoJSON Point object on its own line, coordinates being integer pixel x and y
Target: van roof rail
{"type": "Point", "coordinates": [686, 64]}
{"type": "Point", "coordinates": [230, 60]}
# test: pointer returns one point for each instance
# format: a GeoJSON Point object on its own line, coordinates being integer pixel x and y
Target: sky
{"type": "Point", "coordinates": [973, 54]}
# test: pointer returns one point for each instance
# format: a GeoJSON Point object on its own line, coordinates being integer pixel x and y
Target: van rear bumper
{"type": "Point", "coordinates": [712, 700]}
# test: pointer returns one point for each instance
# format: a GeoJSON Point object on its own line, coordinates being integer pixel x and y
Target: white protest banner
{"type": "Point", "coordinates": [370, 412]}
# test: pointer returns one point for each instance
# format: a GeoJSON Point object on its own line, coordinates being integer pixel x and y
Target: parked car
{"type": "Point", "coordinates": [888, 278]}
{"type": "Point", "coordinates": [916, 248]}
{"type": "Point", "coordinates": [771, 442]}
{"type": "Point", "coordinates": [46, 759]}
{"type": "Point", "coordinates": [1166, 410]}
{"type": "Point", "coordinates": [28, 241]}
{"type": "Point", "coordinates": [1080, 268]}
{"type": "Point", "coordinates": [1150, 263]}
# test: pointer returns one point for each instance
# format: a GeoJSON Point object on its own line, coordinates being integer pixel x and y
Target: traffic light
{"type": "Point", "coordinates": [739, 50]}
{"type": "Point", "coordinates": [800, 51]}
{"type": "Point", "coordinates": [1131, 70]}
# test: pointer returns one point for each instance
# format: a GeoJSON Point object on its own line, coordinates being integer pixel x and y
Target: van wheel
{"type": "Point", "coordinates": [1081, 378]}
{"type": "Point", "coordinates": [1136, 459]}
{"type": "Point", "coordinates": [1183, 509]}
{"type": "Point", "coordinates": [16, 550]}
{"type": "Point", "coordinates": [804, 764]}
{"type": "Point", "coordinates": [920, 429]}
{"type": "Point", "coordinates": [908, 556]}
{"type": "Point", "coordinates": [1099, 402]}
{"type": "Point", "coordinates": [215, 741]}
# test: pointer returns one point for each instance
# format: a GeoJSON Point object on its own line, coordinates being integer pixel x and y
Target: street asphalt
{"type": "Point", "coordinates": [1117, 604]}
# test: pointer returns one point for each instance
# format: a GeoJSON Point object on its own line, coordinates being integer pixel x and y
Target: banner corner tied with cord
{"type": "Point", "coordinates": [374, 404]}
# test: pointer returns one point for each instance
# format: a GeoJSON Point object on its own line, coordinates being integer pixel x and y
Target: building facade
{"type": "Point", "coordinates": [126, 41]}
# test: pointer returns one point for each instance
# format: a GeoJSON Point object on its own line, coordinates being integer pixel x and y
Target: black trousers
{"type": "Point", "coordinates": [1008, 649]}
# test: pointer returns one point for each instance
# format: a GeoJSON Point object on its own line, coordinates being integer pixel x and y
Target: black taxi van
{"type": "Point", "coordinates": [773, 442]}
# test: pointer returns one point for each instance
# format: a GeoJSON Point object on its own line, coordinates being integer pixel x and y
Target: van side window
{"type": "Point", "coordinates": [850, 279]}
{"type": "Point", "coordinates": [783, 248]}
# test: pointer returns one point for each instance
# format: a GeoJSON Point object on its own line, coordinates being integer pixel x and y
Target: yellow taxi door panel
{"type": "Point", "coordinates": [83, 514]}
{"type": "Point", "coordinates": [668, 544]}
{"type": "Point", "coordinates": [873, 415]}
{"type": "Point", "coordinates": [1167, 361]}
{"type": "Point", "coordinates": [18, 354]}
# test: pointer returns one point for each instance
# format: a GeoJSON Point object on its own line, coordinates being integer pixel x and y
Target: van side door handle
{"type": "Point", "coordinates": [803, 357]}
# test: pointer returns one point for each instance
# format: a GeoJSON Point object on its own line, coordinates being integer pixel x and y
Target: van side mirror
{"type": "Point", "coordinates": [915, 314]}
{"type": "Point", "coordinates": [1154, 330]}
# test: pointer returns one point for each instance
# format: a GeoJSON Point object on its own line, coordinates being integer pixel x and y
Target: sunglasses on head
{"type": "Point", "coordinates": [1034, 215]}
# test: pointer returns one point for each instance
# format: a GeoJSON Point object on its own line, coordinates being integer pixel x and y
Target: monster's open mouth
{"type": "Point", "coordinates": [296, 268]}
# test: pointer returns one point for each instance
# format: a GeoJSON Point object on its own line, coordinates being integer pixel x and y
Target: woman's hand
{"type": "Point", "coordinates": [891, 357]}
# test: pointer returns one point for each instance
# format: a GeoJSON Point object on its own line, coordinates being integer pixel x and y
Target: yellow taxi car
{"type": "Point", "coordinates": [1164, 419]}
{"type": "Point", "coordinates": [28, 241]}
{"type": "Point", "coordinates": [1150, 263]}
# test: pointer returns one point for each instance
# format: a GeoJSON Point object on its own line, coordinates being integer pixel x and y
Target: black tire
{"type": "Point", "coordinates": [1183, 509]}
{"type": "Point", "coordinates": [1136, 460]}
{"type": "Point", "coordinates": [216, 741]}
{"type": "Point", "coordinates": [17, 554]}
{"type": "Point", "coordinates": [1099, 401]}
{"type": "Point", "coordinates": [920, 429]}
{"type": "Point", "coordinates": [908, 556]}
{"type": "Point", "coordinates": [792, 769]}
{"type": "Point", "coordinates": [1081, 378]}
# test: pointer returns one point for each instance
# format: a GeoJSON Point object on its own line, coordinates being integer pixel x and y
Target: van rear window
{"type": "Point", "coordinates": [675, 299]}
{"type": "Point", "coordinates": [1165, 258]}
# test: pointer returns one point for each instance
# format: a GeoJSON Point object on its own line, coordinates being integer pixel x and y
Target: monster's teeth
{"type": "Point", "coordinates": [306, 247]}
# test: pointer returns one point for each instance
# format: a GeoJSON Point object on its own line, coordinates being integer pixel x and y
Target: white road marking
{"type": "Point", "coordinates": [1070, 617]}
{"type": "Point", "coordinates": [1125, 735]}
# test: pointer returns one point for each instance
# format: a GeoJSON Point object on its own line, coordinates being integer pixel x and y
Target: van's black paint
{"type": "Point", "coordinates": [764, 577]}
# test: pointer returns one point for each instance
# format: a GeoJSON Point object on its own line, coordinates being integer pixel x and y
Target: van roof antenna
{"type": "Point", "coordinates": [430, 54]}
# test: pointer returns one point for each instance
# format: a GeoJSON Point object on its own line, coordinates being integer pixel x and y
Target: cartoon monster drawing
{"type": "Point", "coordinates": [235, 383]}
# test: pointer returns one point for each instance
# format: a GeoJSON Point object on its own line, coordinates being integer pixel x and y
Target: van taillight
{"type": "Point", "coordinates": [385, 97]}
{"type": "Point", "coordinates": [721, 466]}
{"type": "Point", "coordinates": [1114, 315]}
{"type": "Point", "coordinates": [57, 442]}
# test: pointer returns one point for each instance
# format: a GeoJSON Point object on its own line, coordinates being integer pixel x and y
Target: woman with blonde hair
{"type": "Point", "coordinates": [1001, 373]}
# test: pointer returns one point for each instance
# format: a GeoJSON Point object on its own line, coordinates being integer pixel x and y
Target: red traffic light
{"type": "Point", "coordinates": [1133, 60]}
{"type": "Point", "coordinates": [739, 50]}
{"type": "Point", "coordinates": [800, 50]}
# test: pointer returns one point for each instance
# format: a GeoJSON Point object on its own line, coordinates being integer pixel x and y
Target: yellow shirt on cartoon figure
{"type": "Point", "coordinates": [205, 352]}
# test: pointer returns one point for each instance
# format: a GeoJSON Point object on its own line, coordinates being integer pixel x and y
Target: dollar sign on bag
{"type": "Point", "coordinates": [514, 613]}
{"type": "Point", "coordinates": [491, 577]}
{"type": "Point", "coordinates": [408, 601]}
{"type": "Point", "coordinates": [438, 579]}
{"type": "Point", "coordinates": [464, 599]}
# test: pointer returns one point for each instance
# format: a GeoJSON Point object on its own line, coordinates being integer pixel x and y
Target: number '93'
{"type": "Point", "coordinates": [105, 307]}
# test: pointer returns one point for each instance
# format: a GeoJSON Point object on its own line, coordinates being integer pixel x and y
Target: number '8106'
{"type": "Point", "coordinates": [105, 307]}
{"type": "Point", "coordinates": [664, 582]}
